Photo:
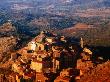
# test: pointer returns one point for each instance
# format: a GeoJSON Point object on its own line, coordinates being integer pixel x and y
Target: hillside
{"type": "Point", "coordinates": [99, 74]}
{"type": "Point", "coordinates": [8, 40]}
{"type": "Point", "coordinates": [7, 29]}
{"type": "Point", "coordinates": [79, 26]}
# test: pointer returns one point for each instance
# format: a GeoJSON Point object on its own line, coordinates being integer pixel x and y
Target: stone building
{"type": "Point", "coordinates": [16, 66]}
{"type": "Point", "coordinates": [50, 40]}
{"type": "Point", "coordinates": [32, 46]}
{"type": "Point", "coordinates": [42, 62]}
{"type": "Point", "coordinates": [40, 46]}
{"type": "Point", "coordinates": [56, 61]}
{"type": "Point", "coordinates": [37, 65]}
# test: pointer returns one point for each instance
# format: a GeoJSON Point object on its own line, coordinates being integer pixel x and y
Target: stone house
{"type": "Point", "coordinates": [37, 65]}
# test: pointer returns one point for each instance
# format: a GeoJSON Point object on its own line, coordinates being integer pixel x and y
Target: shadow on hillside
{"type": "Point", "coordinates": [100, 51]}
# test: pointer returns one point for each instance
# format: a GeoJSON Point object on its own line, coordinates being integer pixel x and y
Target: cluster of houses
{"type": "Point", "coordinates": [47, 58]}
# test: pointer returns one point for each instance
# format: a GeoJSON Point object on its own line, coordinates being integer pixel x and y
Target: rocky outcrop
{"type": "Point", "coordinates": [8, 40]}
{"type": "Point", "coordinates": [7, 43]}
{"type": "Point", "coordinates": [7, 29]}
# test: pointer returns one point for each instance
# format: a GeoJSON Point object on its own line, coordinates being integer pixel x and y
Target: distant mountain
{"type": "Point", "coordinates": [57, 13]}
{"type": "Point", "coordinates": [55, 5]}
{"type": "Point", "coordinates": [86, 4]}
{"type": "Point", "coordinates": [79, 3]}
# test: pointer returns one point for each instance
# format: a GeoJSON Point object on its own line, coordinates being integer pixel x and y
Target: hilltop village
{"type": "Point", "coordinates": [48, 58]}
